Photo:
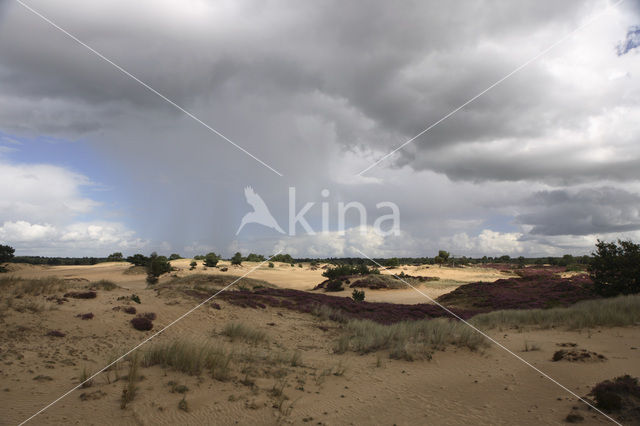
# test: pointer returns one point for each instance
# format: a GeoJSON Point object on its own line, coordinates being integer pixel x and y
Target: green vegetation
{"type": "Point", "coordinates": [115, 257]}
{"type": "Point", "coordinates": [252, 257]}
{"type": "Point", "coordinates": [346, 270]}
{"type": "Point", "coordinates": [174, 256]}
{"type": "Point", "coordinates": [358, 295]}
{"type": "Point", "coordinates": [211, 260]}
{"type": "Point", "coordinates": [193, 265]}
{"type": "Point", "coordinates": [236, 259]}
{"type": "Point", "coordinates": [156, 266]}
{"type": "Point", "coordinates": [129, 391]}
{"type": "Point", "coordinates": [271, 265]}
{"type": "Point", "coordinates": [615, 268]}
{"type": "Point", "coordinates": [282, 257]}
{"type": "Point", "coordinates": [6, 255]}
{"type": "Point", "coordinates": [613, 312]}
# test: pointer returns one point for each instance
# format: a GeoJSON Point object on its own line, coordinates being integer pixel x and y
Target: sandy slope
{"type": "Point", "coordinates": [456, 387]}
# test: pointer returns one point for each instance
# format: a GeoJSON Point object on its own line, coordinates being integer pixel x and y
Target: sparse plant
{"type": "Point", "coordinates": [104, 285]}
{"type": "Point", "coordinates": [84, 376]}
{"type": "Point", "coordinates": [182, 405]}
{"type": "Point", "coordinates": [135, 298]}
{"type": "Point", "coordinates": [190, 358]}
{"type": "Point", "coordinates": [129, 391]}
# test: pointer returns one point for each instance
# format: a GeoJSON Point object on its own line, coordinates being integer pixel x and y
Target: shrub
{"type": "Point", "coordinates": [135, 298]}
{"type": "Point", "coordinates": [193, 265]}
{"type": "Point", "coordinates": [142, 323]}
{"type": "Point", "coordinates": [614, 395]}
{"type": "Point", "coordinates": [211, 259]}
{"type": "Point", "coordinates": [271, 265]}
{"type": "Point", "coordinates": [358, 295]}
{"type": "Point", "coordinates": [86, 316]}
{"type": "Point", "coordinates": [130, 310]}
{"type": "Point", "coordinates": [174, 256]}
{"type": "Point", "coordinates": [236, 259]}
{"type": "Point", "coordinates": [81, 295]}
{"type": "Point", "coordinates": [151, 316]}
{"type": "Point", "coordinates": [615, 268]}
{"type": "Point", "coordinates": [56, 333]}
{"type": "Point", "coordinates": [334, 285]}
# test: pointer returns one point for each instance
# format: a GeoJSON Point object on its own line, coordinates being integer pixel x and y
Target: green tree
{"type": "Point", "coordinates": [615, 268]}
{"type": "Point", "coordinates": [157, 266]}
{"type": "Point", "coordinates": [193, 265]}
{"type": "Point", "coordinates": [138, 259]}
{"type": "Point", "coordinates": [6, 253]}
{"type": "Point", "coordinates": [211, 259]}
{"type": "Point", "coordinates": [175, 256]}
{"type": "Point", "coordinates": [357, 295]}
{"type": "Point", "coordinates": [236, 259]}
{"type": "Point", "coordinates": [115, 257]}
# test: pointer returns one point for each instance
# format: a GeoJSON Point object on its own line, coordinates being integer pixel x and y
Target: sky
{"type": "Point", "coordinates": [544, 163]}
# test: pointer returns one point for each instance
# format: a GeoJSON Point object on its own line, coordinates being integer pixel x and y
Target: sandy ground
{"type": "Point", "coordinates": [456, 387]}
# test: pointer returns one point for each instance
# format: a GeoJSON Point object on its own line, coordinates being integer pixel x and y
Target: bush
{"type": "Point", "coordinates": [358, 295]}
{"type": "Point", "coordinates": [334, 285]}
{"type": "Point", "coordinates": [175, 256]}
{"type": "Point", "coordinates": [135, 298]}
{"type": "Point", "coordinates": [211, 260]}
{"type": "Point", "coordinates": [271, 265]}
{"type": "Point", "coordinates": [236, 259]}
{"type": "Point", "coordinates": [615, 268]}
{"type": "Point", "coordinates": [130, 310]}
{"type": "Point", "coordinates": [613, 395]}
{"type": "Point", "coordinates": [142, 323]}
{"type": "Point", "coordinates": [193, 265]}
{"type": "Point", "coordinates": [81, 295]}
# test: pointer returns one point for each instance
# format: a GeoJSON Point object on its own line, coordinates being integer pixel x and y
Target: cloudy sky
{"type": "Point", "coordinates": [542, 164]}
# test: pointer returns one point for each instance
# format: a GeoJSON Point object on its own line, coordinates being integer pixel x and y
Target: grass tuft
{"type": "Point", "coordinates": [238, 330]}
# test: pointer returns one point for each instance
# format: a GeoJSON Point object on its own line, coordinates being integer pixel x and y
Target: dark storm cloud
{"type": "Point", "coordinates": [312, 89]}
{"type": "Point", "coordinates": [588, 211]}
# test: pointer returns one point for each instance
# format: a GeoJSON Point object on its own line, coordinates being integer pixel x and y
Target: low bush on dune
{"type": "Point", "coordinates": [346, 270]}
{"type": "Point", "coordinates": [408, 339]}
{"type": "Point", "coordinates": [189, 357]}
{"type": "Point", "coordinates": [618, 311]}
{"type": "Point", "coordinates": [129, 310]}
{"type": "Point", "coordinates": [539, 288]}
{"type": "Point", "coordinates": [307, 302]}
{"type": "Point", "coordinates": [620, 395]}
{"type": "Point", "coordinates": [142, 323]}
{"type": "Point", "coordinates": [81, 294]}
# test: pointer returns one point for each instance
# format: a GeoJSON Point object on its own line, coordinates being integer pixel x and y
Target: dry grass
{"type": "Point", "coordinates": [20, 287]}
{"type": "Point", "coordinates": [103, 285]}
{"type": "Point", "coordinates": [130, 388]}
{"type": "Point", "coordinates": [241, 331]}
{"type": "Point", "coordinates": [614, 312]}
{"type": "Point", "coordinates": [407, 340]}
{"type": "Point", "coordinates": [190, 358]}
